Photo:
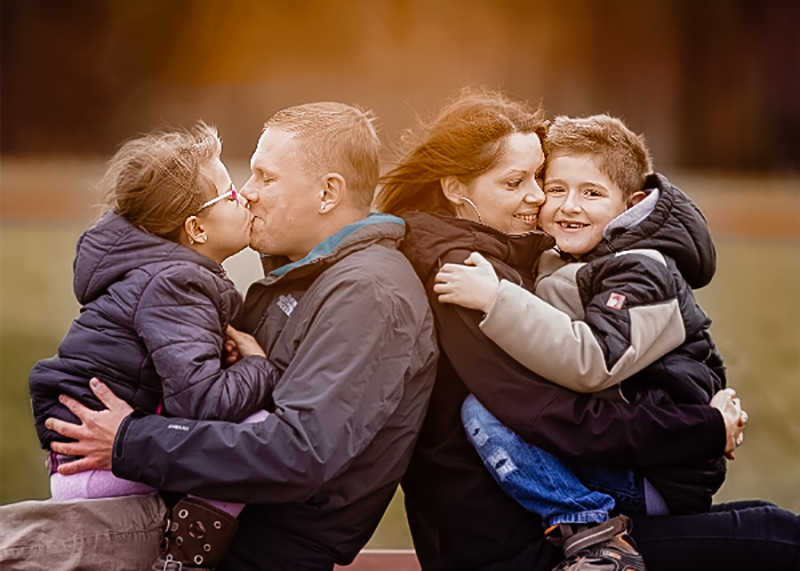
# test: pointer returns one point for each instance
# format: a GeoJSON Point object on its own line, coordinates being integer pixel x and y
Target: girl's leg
{"type": "Point", "coordinates": [539, 481]}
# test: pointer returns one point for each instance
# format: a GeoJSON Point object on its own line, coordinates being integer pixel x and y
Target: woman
{"type": "Point", "coordinates": [470, 185]}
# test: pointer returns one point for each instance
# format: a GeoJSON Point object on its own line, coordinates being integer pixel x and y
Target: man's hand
{"type": "Point", "coordinates": [735, 418]}
{"type": "Point", "coordinates": [94, 436]}
{"type": "Point", "coordinates": [473, 285]}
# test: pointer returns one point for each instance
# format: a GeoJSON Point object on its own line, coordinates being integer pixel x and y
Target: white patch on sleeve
{"type": "Point", "coordinates": [501, 463]}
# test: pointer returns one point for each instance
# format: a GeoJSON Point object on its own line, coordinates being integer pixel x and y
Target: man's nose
{"type": "Point", "coordinates": [248, 193]}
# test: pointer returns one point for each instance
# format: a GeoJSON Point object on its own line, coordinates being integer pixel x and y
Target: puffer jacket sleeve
{"type": "Point", "coordinates": [589, 427]}
{"type": "Point", "coordinates": [632, 318]}
{"type": "Point", "coordinates": [344, 381]}
{"type": "Point", "coordinates": [181, 317]}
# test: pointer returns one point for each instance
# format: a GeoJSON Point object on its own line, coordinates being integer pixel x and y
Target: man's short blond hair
{"type": "Point", "coordinates": [335, 137]}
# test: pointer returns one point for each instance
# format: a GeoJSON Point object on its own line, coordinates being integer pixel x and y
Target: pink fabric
{"type": "Point", "coordinates": [93, 484]}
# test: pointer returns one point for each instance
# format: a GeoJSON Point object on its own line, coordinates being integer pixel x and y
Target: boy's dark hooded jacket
{"type": "Point", "coordinates": [151, 327]}
{"type": "Point", "coordinates": [459, 517]}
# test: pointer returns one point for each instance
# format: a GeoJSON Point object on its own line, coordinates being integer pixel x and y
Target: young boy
{"type": "Point", "coordinates": [613, 302]}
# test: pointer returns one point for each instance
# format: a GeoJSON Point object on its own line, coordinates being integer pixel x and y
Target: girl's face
{"type": "Point", "coordinates": [507, 196]}
{"type": "Point", "coordinates": [226, 223]}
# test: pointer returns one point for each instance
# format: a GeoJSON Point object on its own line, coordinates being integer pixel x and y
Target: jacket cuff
{"type": "Point", "coordinates": [118, 449]}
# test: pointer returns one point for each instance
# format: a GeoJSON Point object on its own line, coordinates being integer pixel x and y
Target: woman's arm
{"type": "Point", "coordinates": [586, 426]}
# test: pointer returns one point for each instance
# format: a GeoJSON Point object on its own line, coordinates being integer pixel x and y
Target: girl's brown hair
{"type": "Point", "coordinates": [154, 181]}
{"type": "Point", "coordinates": [464, 140]}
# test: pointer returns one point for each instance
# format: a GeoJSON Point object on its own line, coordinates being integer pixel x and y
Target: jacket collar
{"type": "Point", "coordinates": [352, 237]}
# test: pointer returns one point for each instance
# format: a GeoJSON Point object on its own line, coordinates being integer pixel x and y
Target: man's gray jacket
{"type": "Point", "coordinates": [350, 328]}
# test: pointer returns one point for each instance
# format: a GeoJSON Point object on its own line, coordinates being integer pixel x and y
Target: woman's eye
{"type": "Point", "coordinates": [514, 184]}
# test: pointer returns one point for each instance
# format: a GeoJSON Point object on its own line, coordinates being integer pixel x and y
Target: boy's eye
{"type": "Point", "coordinates": [553, 190]}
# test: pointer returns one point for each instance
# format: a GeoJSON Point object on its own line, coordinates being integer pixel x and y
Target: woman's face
{"type": "Point", "coordinates": [508, 195]}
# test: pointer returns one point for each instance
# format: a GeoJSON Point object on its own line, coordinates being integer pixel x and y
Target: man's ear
{"type": "Point", "coordinates": [194, 230]}
{"type": "Point", "coordinates": [636, 198]}
{"type": "Point", "coordinates": [453, 189]}
{"type": "Point", "coordinates": [333, 192]}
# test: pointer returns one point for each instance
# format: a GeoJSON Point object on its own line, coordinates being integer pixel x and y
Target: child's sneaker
{"type": "Point", "coordinates": [603, 547]}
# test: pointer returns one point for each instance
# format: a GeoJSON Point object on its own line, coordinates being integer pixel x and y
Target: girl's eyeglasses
{"type": "Point", "coordinates": [231, 195]}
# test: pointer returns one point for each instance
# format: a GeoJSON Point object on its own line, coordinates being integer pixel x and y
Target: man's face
{"type": "Point", "coordinates": [284, 197]}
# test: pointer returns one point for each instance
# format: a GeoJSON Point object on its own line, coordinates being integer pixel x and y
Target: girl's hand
{"type": "Point", "coordinates": [735, 418]}
{"type": "Point", "coordinates": [241, 345]}
{"type": "Point", "coordinates": [473, 286]}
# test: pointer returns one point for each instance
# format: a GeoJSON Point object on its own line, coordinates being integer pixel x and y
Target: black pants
{"type": "Point", "coordinates": [740, 536]}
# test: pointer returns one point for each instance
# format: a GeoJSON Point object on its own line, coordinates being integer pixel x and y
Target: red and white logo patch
{"type": "Point", "coordinates": [615, 300]}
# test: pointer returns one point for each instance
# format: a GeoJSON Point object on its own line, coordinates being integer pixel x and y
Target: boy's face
{"type": "Point", "coordinates": [580, 201]}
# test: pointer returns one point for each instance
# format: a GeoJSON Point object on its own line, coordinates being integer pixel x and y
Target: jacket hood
{"type": "Point", "coordinates": [675, 227]}
{"type": "Point", "coordinates": [113, 247]}
{"type": "Point", "coordinates": [430, 236]}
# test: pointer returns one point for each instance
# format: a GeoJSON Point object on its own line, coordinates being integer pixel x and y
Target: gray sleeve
{"type": "Point", "coordinates": [344, 382]}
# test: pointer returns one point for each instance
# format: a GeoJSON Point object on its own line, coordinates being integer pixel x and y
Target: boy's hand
{"type": "Point", "coordinates": [241, 345]}
{"type": "Point", "coordinates": [94, 437]}
{"type": "Point", "coordinates": [735, 418]}
{"type": "Point", "coordinates": [473, 286]}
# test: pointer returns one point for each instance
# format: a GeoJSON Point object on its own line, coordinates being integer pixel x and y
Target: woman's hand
{"type": "Point", "coordinates": [94, 437]}
{"type": "Point", "coordinates": [473, 286]}
{"type": "Point", "coordinates": [735, 418]}
{"type": "Point", "coordinates": [239, 345]}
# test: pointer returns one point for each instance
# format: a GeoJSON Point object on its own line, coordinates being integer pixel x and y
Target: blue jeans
{"type": "Point", "coordinates": [543, 484]}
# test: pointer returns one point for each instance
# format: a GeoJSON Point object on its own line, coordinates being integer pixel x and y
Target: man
{"type": "Point", "coordinates": [342, 315]}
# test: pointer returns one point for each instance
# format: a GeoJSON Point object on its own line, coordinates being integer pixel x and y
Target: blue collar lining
{"type": "Point", "coordinates": [327, 246]}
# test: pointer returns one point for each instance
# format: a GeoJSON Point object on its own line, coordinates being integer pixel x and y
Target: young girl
{"type": "Point", "coordinates": [156, 307]}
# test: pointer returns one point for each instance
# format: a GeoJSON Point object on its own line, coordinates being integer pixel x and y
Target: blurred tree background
{"type": "Point", "coordinates": [713, 84]}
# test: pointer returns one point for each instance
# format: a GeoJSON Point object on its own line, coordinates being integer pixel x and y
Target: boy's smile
{"type": "Point", "coordinates": [580, 201]}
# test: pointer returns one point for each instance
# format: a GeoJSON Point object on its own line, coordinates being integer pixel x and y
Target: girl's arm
{"type": "Point", "coordinates": [632, 319]}
{"type": "Point", "coordinates": [183, 331]}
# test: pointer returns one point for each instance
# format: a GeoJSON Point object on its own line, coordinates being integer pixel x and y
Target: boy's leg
{"type": "Point", "coordinates": [539, 481]}
{"type": "Point", "coordinates": [102, 534]}
{"type": "Point", "coordinates": [625, 486]}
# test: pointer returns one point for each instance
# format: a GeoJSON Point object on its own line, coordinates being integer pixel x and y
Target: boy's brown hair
{"type": "Point", "coordinates": [618, 152]}
{"type": "Point", "coordinates": [154, 181]}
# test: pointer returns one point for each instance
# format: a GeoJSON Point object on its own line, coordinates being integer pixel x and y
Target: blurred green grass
{"type": "Point", "coordinates": [753, 301]}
